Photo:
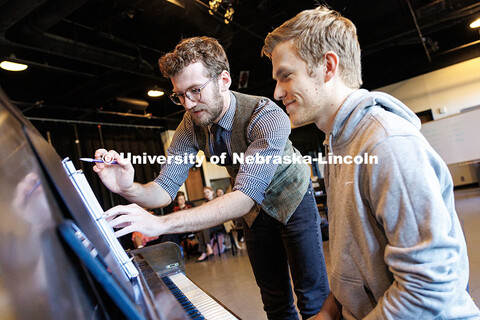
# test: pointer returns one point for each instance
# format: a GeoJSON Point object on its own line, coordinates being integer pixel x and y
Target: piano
{"type": "Point", "coordinates": [55, 263]}
{"type": "Point", "coordinates": [166, 271]}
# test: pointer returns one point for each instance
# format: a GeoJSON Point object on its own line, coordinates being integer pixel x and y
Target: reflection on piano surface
{"type": "Point", "coordinates": [42, 277]}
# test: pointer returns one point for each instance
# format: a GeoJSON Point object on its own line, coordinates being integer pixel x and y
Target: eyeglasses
{"type": "Point", "coordinates": [194, 94]}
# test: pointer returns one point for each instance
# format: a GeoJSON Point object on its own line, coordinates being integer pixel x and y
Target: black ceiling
{"type": "Point", "coordinates": [85, 54]}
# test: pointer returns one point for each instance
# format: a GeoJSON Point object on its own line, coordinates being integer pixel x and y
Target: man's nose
{"type": "Point", "coordinates": [189, 104]}
{"type": "Point", "coordinates": [279, 92]}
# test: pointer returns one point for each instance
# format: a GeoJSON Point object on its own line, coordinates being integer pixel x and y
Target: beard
{"type": "Point", "coordinates": [211, 111]}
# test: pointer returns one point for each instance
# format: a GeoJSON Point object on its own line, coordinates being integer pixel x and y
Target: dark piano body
{"type": "Point", "coordinates": [42, 277]}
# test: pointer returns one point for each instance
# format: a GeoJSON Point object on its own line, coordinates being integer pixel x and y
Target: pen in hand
{"type": "Point", "coordinates": [98, 160]}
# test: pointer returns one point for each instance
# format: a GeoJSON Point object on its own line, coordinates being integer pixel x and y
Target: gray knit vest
{"type": "Point", "coordinates": [290, 181]}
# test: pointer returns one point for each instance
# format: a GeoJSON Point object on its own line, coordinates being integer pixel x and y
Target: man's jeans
{"type": "Point", "coordinates": [273, 247]}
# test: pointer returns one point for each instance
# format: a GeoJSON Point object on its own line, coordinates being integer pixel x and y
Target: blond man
{"type": "Point", "coordinates": [396, 245]}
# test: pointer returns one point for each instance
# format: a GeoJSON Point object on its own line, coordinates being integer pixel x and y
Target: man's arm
{"type": "Point", "coordinates": [405, 190]}
{"type": "Point", "coordinates": [149, 195]}
{"type": "Point", "coordinates": [331, 309]}
{"type": "Point", "coordinates": [133, 218]}
{"type": "Point", "coordinates": [268, 133]}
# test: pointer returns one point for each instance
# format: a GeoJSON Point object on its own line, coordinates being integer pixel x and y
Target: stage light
{"type": "Point", "coordinates": [13, 66]}
{"type": "Point", "coordinates": [229, 15]}
{"type": "Point", "coordinates": [155, 93]}
{"type": "Point", "coordinates": [475, 24]}
{"type": "Point", "coordinates": [214, 5]}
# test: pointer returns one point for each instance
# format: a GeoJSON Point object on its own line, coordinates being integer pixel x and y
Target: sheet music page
{"type": "Point", "coordinates": [93, 206]}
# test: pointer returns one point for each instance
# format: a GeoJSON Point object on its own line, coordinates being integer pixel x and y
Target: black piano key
{"type": "Point", "coordinates": [186, 304]}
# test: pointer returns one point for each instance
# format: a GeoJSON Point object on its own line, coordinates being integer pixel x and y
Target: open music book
{"type": "Point", "coordinates": [96, 212]}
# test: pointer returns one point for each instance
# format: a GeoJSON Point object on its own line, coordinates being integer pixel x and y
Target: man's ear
{"type": "Point", "coordinates": [331, 65]}
{"type": "Point", "coordinates": [225, 80]}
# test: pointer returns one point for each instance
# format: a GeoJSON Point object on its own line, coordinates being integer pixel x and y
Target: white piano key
{"type": "Point", "coordinates": [207, 306]}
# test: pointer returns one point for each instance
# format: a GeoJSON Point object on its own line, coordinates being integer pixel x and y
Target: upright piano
{"type": "Point", "coordinates": [55, 263]}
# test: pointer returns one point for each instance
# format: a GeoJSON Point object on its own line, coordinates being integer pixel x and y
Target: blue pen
{"type": "Point", "coordinates": [97, 160]}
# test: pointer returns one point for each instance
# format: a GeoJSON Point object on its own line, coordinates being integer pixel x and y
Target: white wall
{"type": "Point", "coordinates": [167, 137]}
{"type": "Point", "coordinates": [445, 91]}
{"type": "Point", "coordinates": [212, 171]}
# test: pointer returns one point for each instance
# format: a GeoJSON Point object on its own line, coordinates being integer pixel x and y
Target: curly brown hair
{"type": "Point", "coordinates": [197, 49]}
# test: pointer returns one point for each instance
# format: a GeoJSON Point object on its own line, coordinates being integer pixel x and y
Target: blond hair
{"type": "Point", "coordinates": [313, 33]}
{"type": "Point", "coordinates": [197, 49]}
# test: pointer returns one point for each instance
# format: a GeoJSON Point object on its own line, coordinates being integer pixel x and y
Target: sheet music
{"type": "Point", "coordinates": [88, 197]}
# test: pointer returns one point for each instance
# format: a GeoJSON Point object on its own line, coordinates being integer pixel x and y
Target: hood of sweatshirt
{"type": "Point", "coordinates": [357, 105]}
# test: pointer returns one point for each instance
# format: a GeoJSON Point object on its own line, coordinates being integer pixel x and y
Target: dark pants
{"type": "Point", "coordinates": [203, 239]}
{"type": "Point", "coordinates": [274, 247]}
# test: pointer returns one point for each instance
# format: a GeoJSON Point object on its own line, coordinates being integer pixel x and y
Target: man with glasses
{"type": "Point", "coordinates": [281, 221]}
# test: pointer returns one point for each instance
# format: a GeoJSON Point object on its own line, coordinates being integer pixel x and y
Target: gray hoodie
{"type": "Point", "coordinates": [396, 245]}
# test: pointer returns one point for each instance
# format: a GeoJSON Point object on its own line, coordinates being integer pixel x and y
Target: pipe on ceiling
{"type": "Point", "coordinates": [422, 38]}
{"type": "Point", "coordinates": [34, 32]}
{"type": "Point", "coordinates": [15, 10]}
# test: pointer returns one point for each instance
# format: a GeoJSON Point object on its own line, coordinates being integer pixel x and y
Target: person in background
{"type": "Point", "coordinates": [397, 249]}
{"type": "Point", "coordinates": [275, 200]}
{"type": "Point", "coordinates": [186, 240]}
{"type": "Point", "coordinates": [229, 225]}
{"type": "Point", "coordinates": [208, 194]}
{"type": "Point", "coordinates": [181, 202]}
{"type": "Point", "coordinates": [140, 241]}
{"type": "Point", "coordinates": [219, 192]}
{"type": "Point", "coordinates": [217, 233]}
{"type": "Point", "coordinates": [203, 236]}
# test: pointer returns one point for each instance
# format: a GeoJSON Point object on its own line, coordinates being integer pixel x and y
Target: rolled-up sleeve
{"type": "Point", "coordinates": [173, 174]}
{"type": "Point", "coordinates": [267, 134]}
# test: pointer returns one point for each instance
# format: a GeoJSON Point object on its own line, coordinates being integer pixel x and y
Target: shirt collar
{"type": "Point", "coordinates": [226, 122]}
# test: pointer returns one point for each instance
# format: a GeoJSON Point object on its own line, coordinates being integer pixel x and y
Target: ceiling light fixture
{"type": "Point", "coordinates": [475, 24]}
{"type": "Point", "coordinates": [213, 6]}
{"type": "Point", "coordinates": [229, 15]}
{"type": "Point", "coordinates": [155, 93]}
{"type": "Point", "coordinates": [224, 8]}
{"type": "Point", "coordinates": [12, 66]}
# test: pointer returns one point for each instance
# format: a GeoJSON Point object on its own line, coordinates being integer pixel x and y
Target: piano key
{"type": "Point", "coordinates": [186, 304]}
{"type": "Point", "coordinates": [160, 303]}
{"type": "Point", "coordinates": [196, 304]}
{"type": "Point", "coordinates": [207, 306]}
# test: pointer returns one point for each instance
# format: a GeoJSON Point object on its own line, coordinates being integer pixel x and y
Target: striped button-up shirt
{"type": "Point", "coordinates": [267, 134]}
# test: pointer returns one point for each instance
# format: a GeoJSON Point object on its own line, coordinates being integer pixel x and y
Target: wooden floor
{"type": "Point", "coordinates": [230, 279]}
{"type": "Point", "coordinates": [467, 203]}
